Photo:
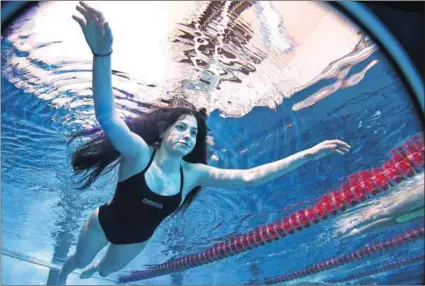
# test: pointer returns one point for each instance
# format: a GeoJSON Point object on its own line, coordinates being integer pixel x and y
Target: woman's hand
{"type": "Point", "coordinates": [97, 32]}
{"type": "Point", "coordinates": [329, 147]}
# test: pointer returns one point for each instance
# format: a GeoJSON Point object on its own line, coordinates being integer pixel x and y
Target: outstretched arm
{"type": "Point", "coordinates": [98, 35]}
{"type": "Point", "coordinates": [214, 177]}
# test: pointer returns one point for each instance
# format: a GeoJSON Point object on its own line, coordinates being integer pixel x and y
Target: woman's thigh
{"type": "Point", "coordinates": [119, 256]}
{"type": "Point", "coordinates": [91, 240]}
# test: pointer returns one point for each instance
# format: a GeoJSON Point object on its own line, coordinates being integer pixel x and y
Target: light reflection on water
{"type": "Point", "coordinates": [219, 55]}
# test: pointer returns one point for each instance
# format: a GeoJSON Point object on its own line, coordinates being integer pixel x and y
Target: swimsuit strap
{"type": "Point", "coordinates": [181, 179]}
{"type": "Point", "coordinates": [181, 170]}
{"type": "Point", "coordinates": [150, 162]}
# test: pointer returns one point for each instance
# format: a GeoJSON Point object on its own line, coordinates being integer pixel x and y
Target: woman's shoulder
{"type": "Point", "coordinates": [193, 173]}
{"type": "Point", "coordinates": [192, 168]}
{"type": "Point", "coordinates": [142, 158]}
{"type": "Point", "coordinates": [189, 166]}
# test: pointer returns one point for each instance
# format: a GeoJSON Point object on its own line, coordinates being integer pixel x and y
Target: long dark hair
{"type": "Point", "coordinates": [97, 156]}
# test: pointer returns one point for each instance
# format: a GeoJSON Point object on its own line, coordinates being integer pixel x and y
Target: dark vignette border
{"type": "Point", "coordinates": [356, 12]}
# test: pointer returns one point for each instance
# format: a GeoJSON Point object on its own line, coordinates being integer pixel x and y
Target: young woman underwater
{"type": "Point", "coordinates": [162, 165]}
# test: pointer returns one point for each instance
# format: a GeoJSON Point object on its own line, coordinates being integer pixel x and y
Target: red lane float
{"type": "Point", "coordinates": [405, 161]}
{"type": "Point", "coordinates": [382, 268]}
{"type": "Point", "coordinates": [350, 257]}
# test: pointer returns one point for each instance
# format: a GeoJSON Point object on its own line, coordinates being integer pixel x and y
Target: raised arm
{"type": "Point", "coordinates": [214, 177]}
{"type": "Point", "coordinates": [98, 35]}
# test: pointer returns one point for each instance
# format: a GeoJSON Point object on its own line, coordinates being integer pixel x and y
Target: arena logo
{"type": "Point", "coordinates": [152, 204]}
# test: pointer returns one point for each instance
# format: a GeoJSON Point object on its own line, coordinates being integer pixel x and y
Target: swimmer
{"type": "Point", "coordinates": [162, 161]}
{"type": "Point", "coordinates": [406, 203]}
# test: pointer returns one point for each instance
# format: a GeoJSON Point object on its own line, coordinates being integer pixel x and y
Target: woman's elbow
{"type": "Point", "coordinates": [250, 179]}
{"type": "Point", "coordinates": [106, 121]}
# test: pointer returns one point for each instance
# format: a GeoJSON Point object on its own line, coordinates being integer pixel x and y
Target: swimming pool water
{"type": "Point", "coordinates": [273, 84]}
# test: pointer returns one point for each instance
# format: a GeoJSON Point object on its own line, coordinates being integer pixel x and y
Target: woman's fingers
{"type": "Point", "coordinates": [345, 150]}
{"type": "Point", "coordinates": [84, 12]}
{"type": "Point", "coordinates": [345, 145]}
{"type": "Point", "coordinates": [85, 5]}
{"type": "Point", "coordinates": [108, 31]}
{"type": "Point", "coordinates": [94, 11]}
{"type": "Point", "coordinates": [338, 148]}
{"type": "Point", "coordinates": [80, 21]}
{"type": "Point", "coordinates": [339, 143]}
{"type": "Point", "coordinates": [88, 14]}
{"type": "Point", "coordinates": [100, 17]}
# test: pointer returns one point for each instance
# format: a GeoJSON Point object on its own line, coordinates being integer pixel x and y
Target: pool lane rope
{"type": "Point", "coordinates": [397, 241]}
{"type": "Point", "coordinates": [385, 267]}
{"type": "Point", "coordinates": [406, 161]}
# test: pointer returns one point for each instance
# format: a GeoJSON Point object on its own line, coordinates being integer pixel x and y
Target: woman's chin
{"type": "Point", "coordinates": [181, 151]}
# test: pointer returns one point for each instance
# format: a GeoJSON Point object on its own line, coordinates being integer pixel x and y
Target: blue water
{"type": "Point", "coordinates": [42, 212]}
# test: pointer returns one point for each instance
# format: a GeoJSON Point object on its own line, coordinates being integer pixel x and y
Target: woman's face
{"type": "Point", "coordinates": [180, 137]}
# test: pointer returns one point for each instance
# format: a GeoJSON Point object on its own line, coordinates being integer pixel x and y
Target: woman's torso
{"type": "Point", "coordinates": [158, 181]}
{"type": "Point", "coordinates": [144, 197]}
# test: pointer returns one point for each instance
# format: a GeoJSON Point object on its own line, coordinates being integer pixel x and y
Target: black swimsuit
{"type": "Point", "coordinates": [136, 211]}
